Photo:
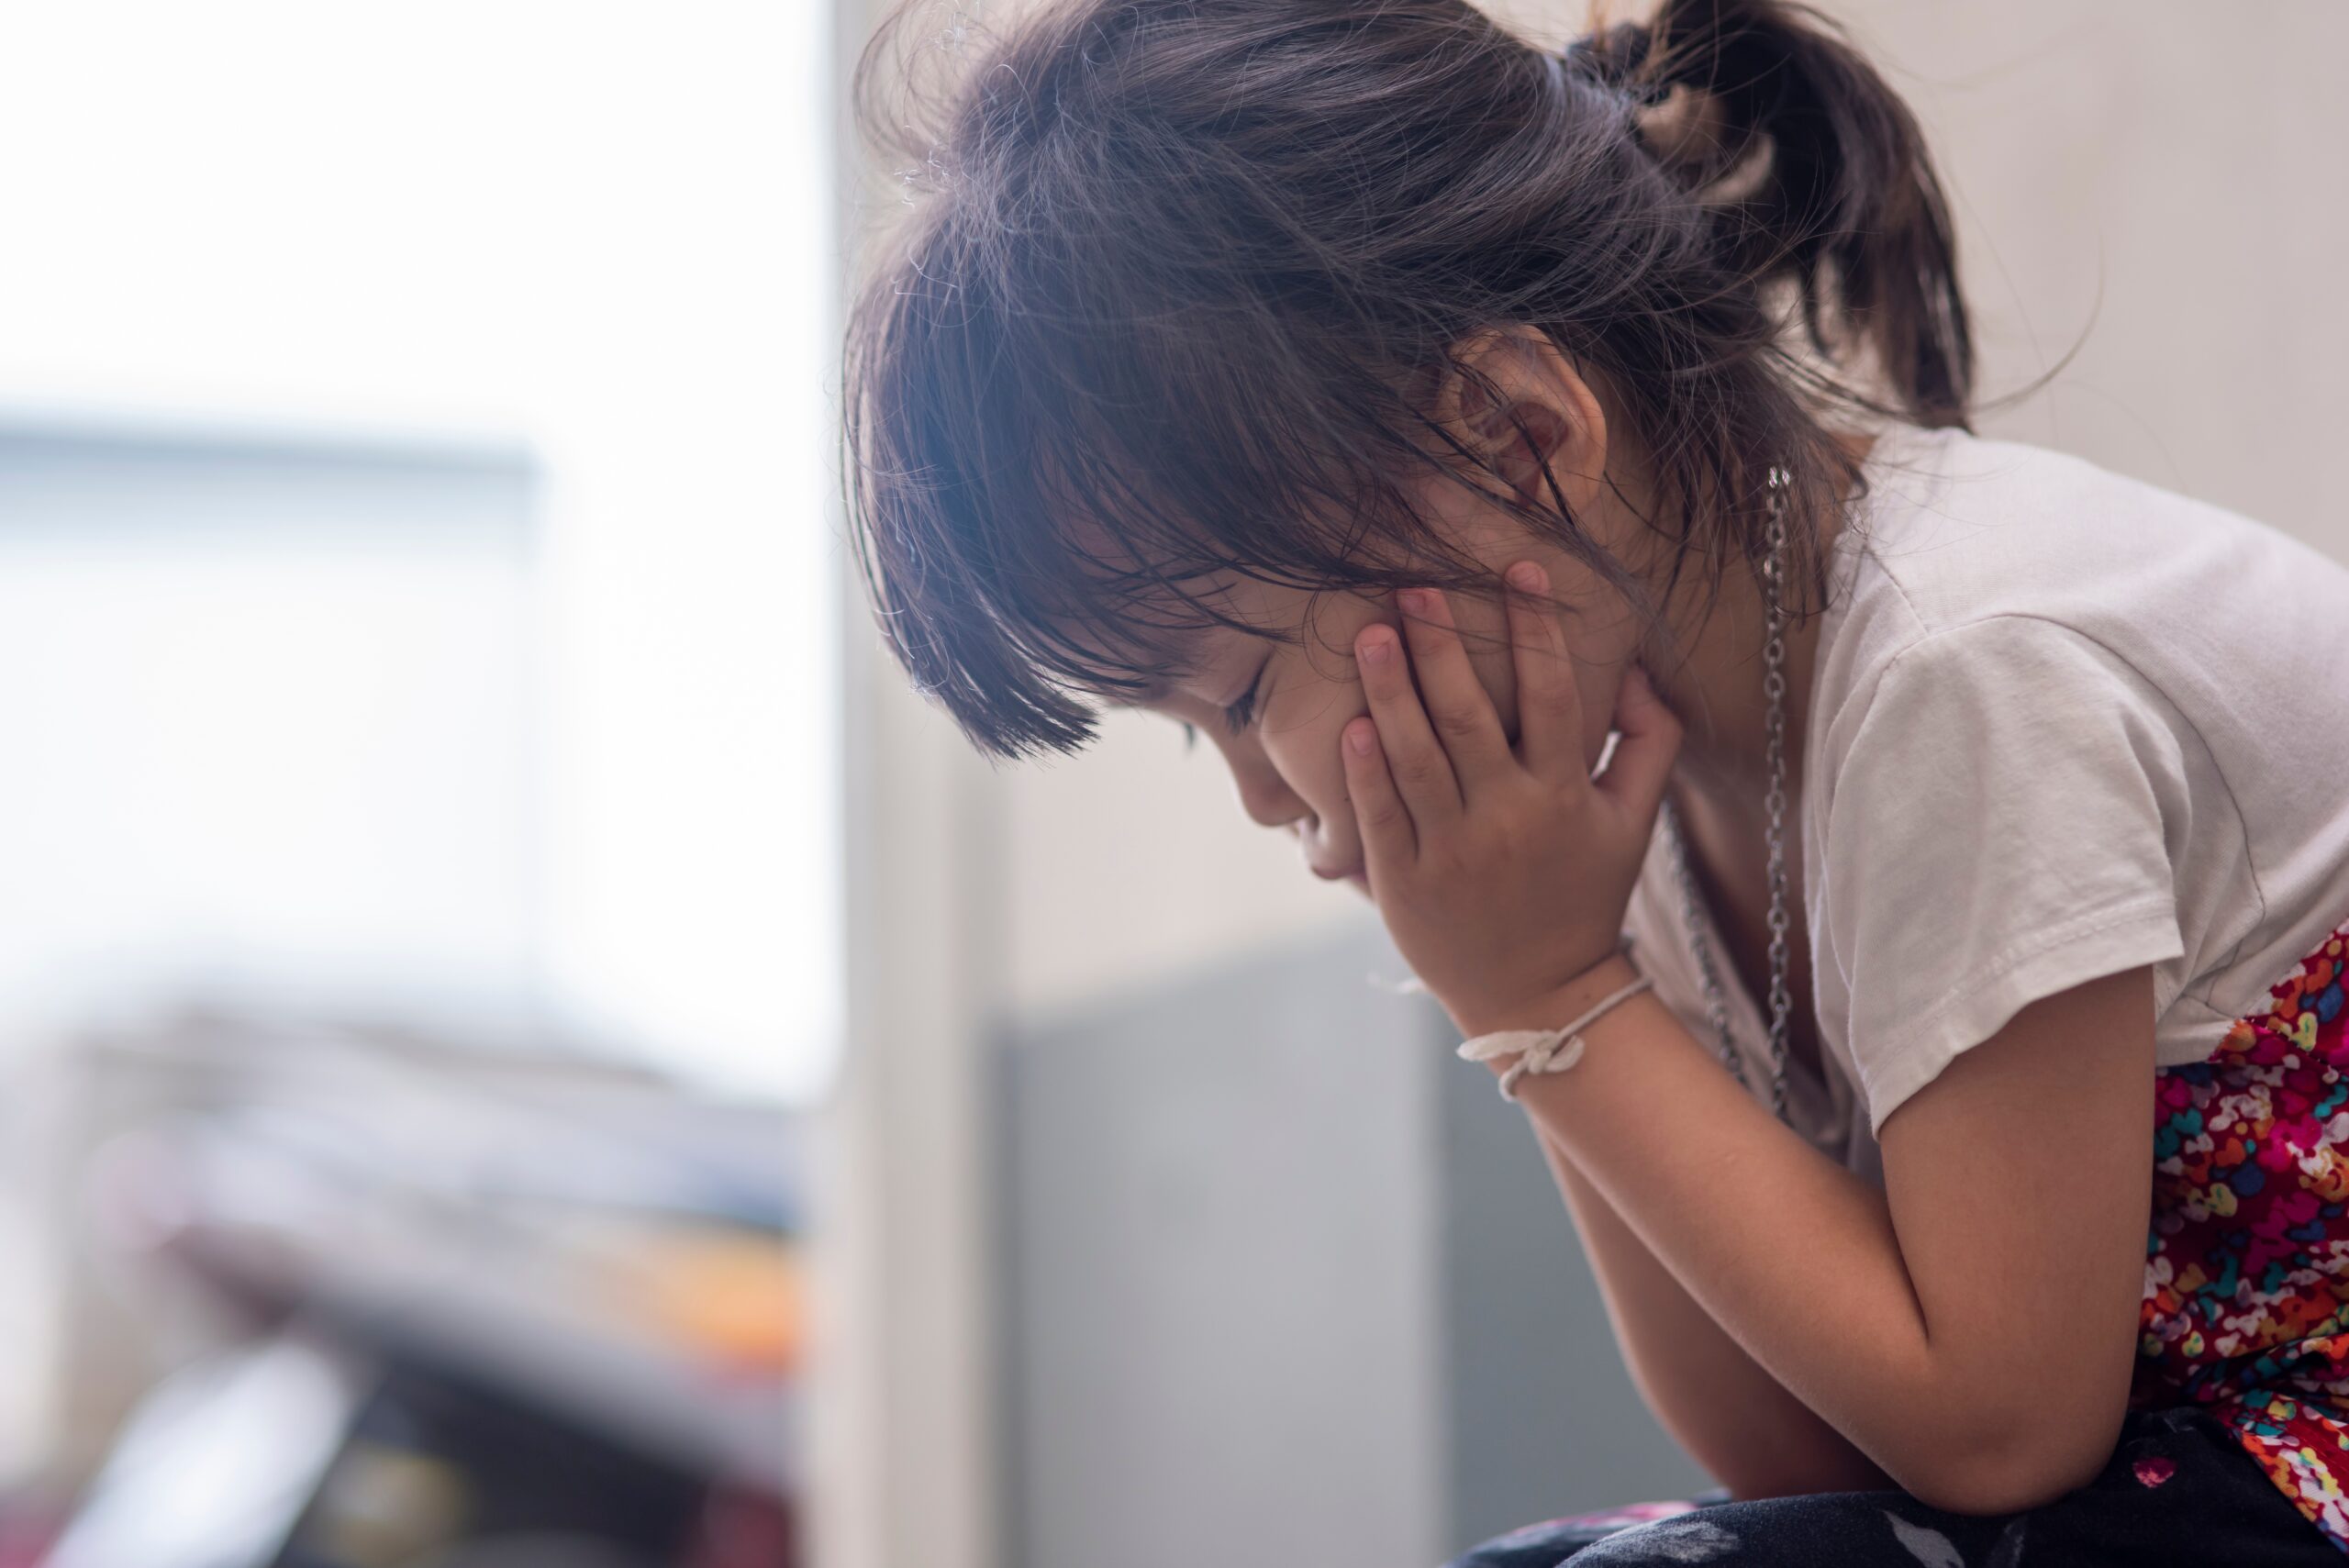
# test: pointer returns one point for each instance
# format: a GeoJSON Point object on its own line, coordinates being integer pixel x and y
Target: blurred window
{"type": "Point", "coordinates": [530, 698]}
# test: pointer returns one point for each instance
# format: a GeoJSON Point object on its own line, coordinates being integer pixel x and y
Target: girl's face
{"type": "Point", "coordinates": [1275, 709]}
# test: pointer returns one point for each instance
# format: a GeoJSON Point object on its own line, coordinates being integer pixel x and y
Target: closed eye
{"type": "Point", "coordinates": [1239, 715]}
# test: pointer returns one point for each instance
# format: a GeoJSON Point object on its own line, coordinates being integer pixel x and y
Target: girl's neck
{"type": "Point", "coordinates": [1719, 696]}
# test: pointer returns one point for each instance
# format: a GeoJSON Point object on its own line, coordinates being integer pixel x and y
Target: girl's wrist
{"type": "Point", "coordinates": [1555, 1006]}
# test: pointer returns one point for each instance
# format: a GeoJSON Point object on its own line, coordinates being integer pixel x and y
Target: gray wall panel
{"type": "Point", "coordinates": [1288, 1286]}
{"type": "Point", "coordinates": [1541, 1417]}
{"type": "Point", "coordinates": [1221, 1309]}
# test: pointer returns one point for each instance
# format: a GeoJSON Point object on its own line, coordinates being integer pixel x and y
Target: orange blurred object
{"type": "Point", "coordinates": [735, 1297]}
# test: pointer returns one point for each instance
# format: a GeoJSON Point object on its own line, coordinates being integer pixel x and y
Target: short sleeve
{"type": "Point", "coordinates": [1994, 833]}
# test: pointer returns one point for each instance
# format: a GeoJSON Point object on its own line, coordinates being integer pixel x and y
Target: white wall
{"type": "Point", "coordinates": [2184, 164]}
{"type": "Point", "coordinates": [1133, 861]}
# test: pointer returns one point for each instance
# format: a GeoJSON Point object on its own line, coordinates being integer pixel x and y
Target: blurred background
{"type": "Point", "coordinates": [521, 1043]}
{"type": "Point", "coordinates": [420, 829]}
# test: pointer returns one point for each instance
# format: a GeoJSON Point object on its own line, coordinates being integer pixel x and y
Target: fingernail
{"type": "Point", "coordinates": [1358, 739]}
{"type": "Point", "coordinates": [1376, 647]}
{"type": "Point", "coordinates": [1527, 577]}
{"type": "Point", "coordinates": [1413, 599]}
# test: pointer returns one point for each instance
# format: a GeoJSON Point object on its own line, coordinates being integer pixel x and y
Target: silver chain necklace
{"type": "Point", "coordinates": [1774, 690]}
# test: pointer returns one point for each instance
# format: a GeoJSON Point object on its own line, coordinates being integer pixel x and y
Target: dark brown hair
{"type": "Point", "coordinates": [1177, 272]}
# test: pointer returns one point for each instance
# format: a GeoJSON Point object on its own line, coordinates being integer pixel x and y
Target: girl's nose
{"type": "Point", "coordinates": [1265, 797]}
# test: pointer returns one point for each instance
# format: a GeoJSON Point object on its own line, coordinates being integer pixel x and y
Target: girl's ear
{"type": "Point", "coordinates": [1512, 400]}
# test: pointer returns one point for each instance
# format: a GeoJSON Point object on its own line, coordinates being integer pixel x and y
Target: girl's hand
{"type": "Point", "coordinates": [1502, 874]}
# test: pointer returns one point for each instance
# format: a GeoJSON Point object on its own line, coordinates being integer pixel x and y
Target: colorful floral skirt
{"type": "Point", "coordinates": [2246, 1310]}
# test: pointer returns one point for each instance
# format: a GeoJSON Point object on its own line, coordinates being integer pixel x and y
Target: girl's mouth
{"type": "Point", "coordinates": [1361, 883]}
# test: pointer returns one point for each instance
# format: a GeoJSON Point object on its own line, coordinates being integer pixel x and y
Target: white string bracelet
{"type": "Point", "coordinates": [1543, 1051]}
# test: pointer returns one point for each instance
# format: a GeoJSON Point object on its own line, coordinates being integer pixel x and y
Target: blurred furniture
{"type": "Point", "coordinates": [453, 1307]}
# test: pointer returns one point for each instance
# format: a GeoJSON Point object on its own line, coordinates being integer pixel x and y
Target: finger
{"type": "Point", "coordinates": [1458, 706]}
{"type": "Point", "coordinates": [1548, 703]}
{"type": "Point", "coordinates": [1389, 842]}
{"type": "Point", "coordinates": [1414, 756]}
{"type": "Point", "coordinates": [1637, 773]}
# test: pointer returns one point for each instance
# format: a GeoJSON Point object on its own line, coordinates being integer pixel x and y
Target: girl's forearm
{"type": "Point", "coordinates": [1731, 1416]}
{"type": "Point", "coordinates": [1793, 1255]}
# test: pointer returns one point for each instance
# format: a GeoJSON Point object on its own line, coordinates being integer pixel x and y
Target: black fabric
{"type": "Point", "coordinates": [2179, 1491]}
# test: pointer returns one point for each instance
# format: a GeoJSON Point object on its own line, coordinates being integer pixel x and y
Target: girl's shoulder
{"type": "Point", "coordinates": [2064, 722]}
{"type": "Point", "coordinates": [1961, 539]}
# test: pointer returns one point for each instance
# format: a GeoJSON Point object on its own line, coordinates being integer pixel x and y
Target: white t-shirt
{"type": "Point", "coordinates": [2062, 724]}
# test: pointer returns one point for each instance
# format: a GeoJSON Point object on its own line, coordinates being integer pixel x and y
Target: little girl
{"type": "Point", "coordinates": [1901, 876]}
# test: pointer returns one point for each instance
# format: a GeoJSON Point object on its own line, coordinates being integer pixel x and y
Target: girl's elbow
{"type": "Point", "coordinates": [2025, 1468]}
{"type": "Point", "coordinates": [1991, 1490]}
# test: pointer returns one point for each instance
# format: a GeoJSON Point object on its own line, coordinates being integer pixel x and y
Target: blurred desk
{"type": "Point", "coordinates": [529, 1302]}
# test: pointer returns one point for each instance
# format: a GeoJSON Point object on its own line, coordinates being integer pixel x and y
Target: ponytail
{"type": "Point", "coordinates": [1821, 176]}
